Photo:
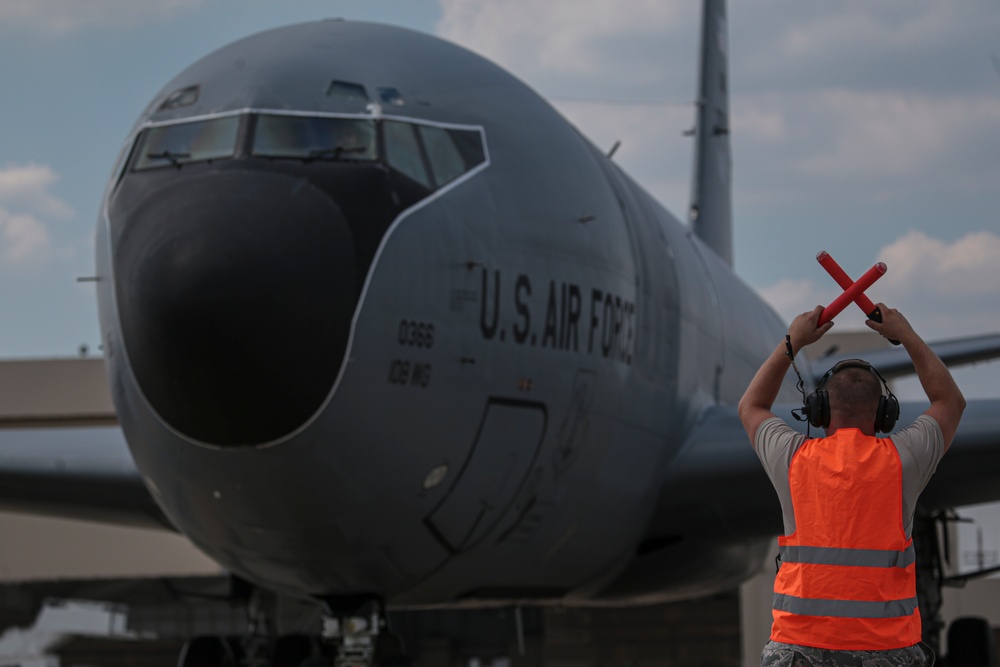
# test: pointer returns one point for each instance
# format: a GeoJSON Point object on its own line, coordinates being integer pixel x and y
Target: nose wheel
{"type": "Point", "coordinates": [362, 639]}
{"type": "Point", "coordinates": [354, 638]}
{"type": "Point", "coordinates": [353, 633]}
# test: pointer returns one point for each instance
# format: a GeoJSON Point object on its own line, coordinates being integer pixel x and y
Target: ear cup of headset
{"type": "Point", "coordinates": [880, 415]}
{"type": "Point", "coordinates": [888, 413]}
{"type": "Point", "coordinates": [817, 408]}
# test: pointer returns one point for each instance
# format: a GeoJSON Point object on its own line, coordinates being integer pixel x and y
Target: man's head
{"type": "Point", "coordinates": [850, 395]}
{"type": "Point", "coordinates": [854, 394]}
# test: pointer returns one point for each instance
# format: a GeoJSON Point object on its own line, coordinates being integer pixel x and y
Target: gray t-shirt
{"type": "Point", "coordinates": [920, 447]}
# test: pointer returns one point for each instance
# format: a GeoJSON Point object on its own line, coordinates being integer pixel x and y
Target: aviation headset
{"type": "Point", "coordinates": [816, 406]}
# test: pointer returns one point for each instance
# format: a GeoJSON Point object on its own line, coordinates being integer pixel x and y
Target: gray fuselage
{"type": "Point", "coordinates": [452, 360]}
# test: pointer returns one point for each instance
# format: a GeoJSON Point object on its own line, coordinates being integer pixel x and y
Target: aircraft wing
{"type": "Point", "coordinates": [895, 362]}
{"type": "Point", "coordinates": [77, 473]}
{"type": "Point", "coordinates": [970, 471]}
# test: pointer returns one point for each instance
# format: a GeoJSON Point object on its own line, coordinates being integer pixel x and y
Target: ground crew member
{"type": "Point", "coordinates": [845, 592]}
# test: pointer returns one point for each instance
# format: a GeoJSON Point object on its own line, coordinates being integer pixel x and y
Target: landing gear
{"type": "Point", "coordinates": [353, 633]}
{"type": "Point", "coordinates": [361, 639]}
{"type": "Point", "coordinates": [354, 639]}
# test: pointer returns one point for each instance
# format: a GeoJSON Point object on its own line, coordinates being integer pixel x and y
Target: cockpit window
{"type": "Point", "coordinates": [469, 144]}
{"type": "Point", "coordinates": [315, 138]}
{"type": "Point", "coordinates": [391, 96]}
{"type": "Point", "coordinates": [449, 152]}
{"type": "Point", "coordinates": [181, 98]}
{"type": "Point", "coordinates": [402, 152]}
{"type": "Point", "coordinates": [445, 158]}
{"type": "Point", "coordinates": [182, 143]}
{"type": "Point", "coordinates": [351, 97]}
{"type": "Point", "coordinates": [427, 156]}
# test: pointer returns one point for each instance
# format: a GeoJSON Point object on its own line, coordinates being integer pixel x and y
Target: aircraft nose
{"type": "Point", "coordinates": [235, 292]}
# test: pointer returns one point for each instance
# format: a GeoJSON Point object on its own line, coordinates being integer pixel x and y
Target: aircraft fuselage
{"type": "Point", "coordinates": [378, 320]}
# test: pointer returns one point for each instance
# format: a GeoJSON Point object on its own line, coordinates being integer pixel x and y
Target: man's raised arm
{"type": "Point", "coordinates": [947, 401]}
{"type": "Point", "coordinates": [755, 406]}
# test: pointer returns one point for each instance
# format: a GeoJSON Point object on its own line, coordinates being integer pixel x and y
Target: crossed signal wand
{"type": "Point", "coordinates": [853, 290]}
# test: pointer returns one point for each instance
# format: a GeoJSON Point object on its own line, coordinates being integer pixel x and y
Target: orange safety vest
{"type": "Point", "coordinates": [848, 576]}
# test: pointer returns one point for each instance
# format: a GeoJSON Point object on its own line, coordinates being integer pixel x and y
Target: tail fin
{"type": "Point", "coordinates": [711, 196]}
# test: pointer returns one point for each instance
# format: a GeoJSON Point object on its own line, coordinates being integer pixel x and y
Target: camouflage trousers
{"type": "Point", "coordinates": [776, 654]}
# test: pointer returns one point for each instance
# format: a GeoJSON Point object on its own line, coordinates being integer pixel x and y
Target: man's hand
{"type": "Point", "coordinates": [803, 330]}
{"type": "Point", "coordinates": [894, 326]}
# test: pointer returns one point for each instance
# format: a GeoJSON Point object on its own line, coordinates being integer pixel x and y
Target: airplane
{"type": "Point", "coordinates": [384, 330]}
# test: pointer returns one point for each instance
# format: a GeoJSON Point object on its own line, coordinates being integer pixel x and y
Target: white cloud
{"type": "Point", "coordinates": [953, 286]}
{"type": "Point", "coordinates": [894, 133]}
{"type": "Point", "coordinates": [871, 101]}
{"type": "Point", "coordinates": [877, 145]}
{"type": "Point", "coordinates": [919, 41]}
{"type": "Point", "coordinates": [759, 123]}
{"type": "Point", "coordinates": [893, 25]}
{"type": "Point", "coordinates": [26, 205]}
{"type": "Point", "coordinates": [68, 15]}
{"type": "Point", "coordinates": [23, 237]}
{"type": "Point", "coordinates": [27, 186]}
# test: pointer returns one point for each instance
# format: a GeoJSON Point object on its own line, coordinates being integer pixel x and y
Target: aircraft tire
{"type": "Point", "coordinates": [971, 643]}
{"type": "Point", "coordinates": [293, 651]}
{"type": "Point", "coordinates": [317, 661]}
{"type": "Point", "coordinates": [207, 652]}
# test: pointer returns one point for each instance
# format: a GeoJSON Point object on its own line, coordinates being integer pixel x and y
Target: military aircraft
{"type": "Point", "coordinates": [382, 328]}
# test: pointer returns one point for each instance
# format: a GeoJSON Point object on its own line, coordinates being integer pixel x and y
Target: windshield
{"type": "Point", "coordinates": [315, 138]}
{"type": "Point", "coordinates": [181, 143]}
{"type": "Point", "coordinates": [428, 156]}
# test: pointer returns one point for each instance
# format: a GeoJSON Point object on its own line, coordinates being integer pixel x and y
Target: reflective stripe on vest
{"type": "Point", "coordinates": [844, 608]}
{"type": "Point", "coordinates": [850, 557]}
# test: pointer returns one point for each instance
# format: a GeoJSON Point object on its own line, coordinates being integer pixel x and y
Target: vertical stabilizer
{"type": "Point", "coordinates": [711, 195]}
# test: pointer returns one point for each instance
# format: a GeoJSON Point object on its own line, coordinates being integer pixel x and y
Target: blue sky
{"type": "Point", "coordinates": [870, 130]}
